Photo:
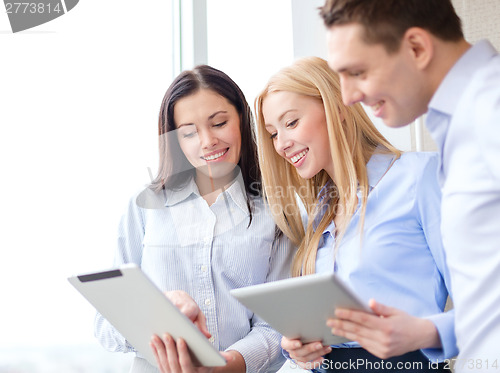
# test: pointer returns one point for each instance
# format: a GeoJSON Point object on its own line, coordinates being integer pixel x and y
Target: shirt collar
{"type": "Point", "coordinates": [377, 166]}
{"type": "Point", "coordinates": [451, 88]}
{"type": "Point", "coordinates": [176, 196]}
{"type": "Point", "coordinates": [236, 192]}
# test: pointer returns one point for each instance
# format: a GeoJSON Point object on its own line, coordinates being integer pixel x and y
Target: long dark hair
{"type": "Point", "coordinates": [174, 170]}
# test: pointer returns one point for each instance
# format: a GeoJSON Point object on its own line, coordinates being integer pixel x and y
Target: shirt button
{"type": "Point", "coordinates": [207, 302]}
{"type": "Point", "coordinates": [211, 339]}
{"type": "Point", "coordinates": [203, 268]}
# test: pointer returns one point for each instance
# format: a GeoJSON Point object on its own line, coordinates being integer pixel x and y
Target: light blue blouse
{"type": "Point", "coordinates": [401, 262]}
{"type": "Point", "coordinates": [182, 243]}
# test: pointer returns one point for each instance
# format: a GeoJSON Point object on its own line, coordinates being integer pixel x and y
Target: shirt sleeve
{"type": "Point", "coordinates": [128, 250]}
{"type": "Point", "coordinates": [429, 207]}
{"type": "Point", "coordinates": [261, 348]}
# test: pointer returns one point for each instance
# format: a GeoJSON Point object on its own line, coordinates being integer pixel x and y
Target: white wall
{"type": "Point", "coordinates": [309, 32]}
{"type": "Point", "coordinates": [480, 19]}
{"type": "Point", "coordinates": [249, 40]}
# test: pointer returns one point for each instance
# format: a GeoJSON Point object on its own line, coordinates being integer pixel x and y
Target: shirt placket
{"type": "Point", "coordinates": [203, 270]}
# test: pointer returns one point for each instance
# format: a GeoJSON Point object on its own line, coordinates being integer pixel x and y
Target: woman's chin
{"type": "Point", "coordinates": [306, 174]}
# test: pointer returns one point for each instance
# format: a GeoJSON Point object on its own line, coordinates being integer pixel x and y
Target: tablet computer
{"type": "Point", "coordinates": [298, 307]}
{"type": "Point", "coordinates": [130, 301]}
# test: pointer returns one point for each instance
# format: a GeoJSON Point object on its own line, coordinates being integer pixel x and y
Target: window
{"type": "Point", "coordinates": [80, 97]}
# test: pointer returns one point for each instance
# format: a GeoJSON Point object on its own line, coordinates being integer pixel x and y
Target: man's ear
{"type": "Point", "coordinates": [420, 46]}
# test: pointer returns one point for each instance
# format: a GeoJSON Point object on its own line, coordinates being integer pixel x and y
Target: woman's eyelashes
{"type": "Point", "coordinates": [192, 132]}
{"type": "Point", "coordinates": [188, 132]}
{"type": "Point", "coordinates": [290, 124]}
{"type": "Point", "coordinates": [222, 124]}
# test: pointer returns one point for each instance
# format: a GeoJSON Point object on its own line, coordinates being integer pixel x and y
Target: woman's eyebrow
{"type": "Point", "coordinates": [217, 112]}
{"type": "Point", "coordinates": [210, 117]}
{"type": "Point", "coordinates": [285, 113]}
{"type": "Point", "coordinates": [185, 124]}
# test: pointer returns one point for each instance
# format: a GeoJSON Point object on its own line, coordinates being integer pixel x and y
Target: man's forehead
{"type": "Point", "coordinates": [347, 47]}
{"type": "Point", "coordinates": [342, 42]}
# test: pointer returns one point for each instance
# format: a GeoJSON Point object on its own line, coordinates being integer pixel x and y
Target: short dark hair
{"type": "Point", "coordinates": [386, 21]}
{"type": "Point", "coordinates": [173, 164]}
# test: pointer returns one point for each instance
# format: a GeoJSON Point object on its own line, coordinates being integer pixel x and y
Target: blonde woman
{"type": "Point", "coordinates": [368, 220]}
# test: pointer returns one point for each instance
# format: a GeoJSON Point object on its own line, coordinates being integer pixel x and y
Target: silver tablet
{"type": "Point", "coordinates": [128, 299]}
{"type": "Point", "coordinates": [298, 307]}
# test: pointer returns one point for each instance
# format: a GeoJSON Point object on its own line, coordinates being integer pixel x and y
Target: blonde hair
{"type": "Point", "coordinates": [352, 142]}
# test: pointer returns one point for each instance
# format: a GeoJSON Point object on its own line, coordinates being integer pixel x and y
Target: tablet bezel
{"type": "Point", "coordinates": [299, 307]}
{"type": "Point", "coordinates": [133, 304]}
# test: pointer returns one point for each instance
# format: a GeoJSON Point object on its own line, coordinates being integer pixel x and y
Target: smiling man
{"type": "Point", "coordinates": [405, 58]}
